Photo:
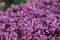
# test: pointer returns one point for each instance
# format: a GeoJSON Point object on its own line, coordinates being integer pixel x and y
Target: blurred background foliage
{"type": "Point", "coordinates": [9, 2]}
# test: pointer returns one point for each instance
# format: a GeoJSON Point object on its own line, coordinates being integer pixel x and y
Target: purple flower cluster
{"type": "Point", "coordinates": [33, 20]}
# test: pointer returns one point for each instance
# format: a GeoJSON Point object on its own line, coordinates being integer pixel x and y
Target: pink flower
{"type": "Point", "coordinates": [2, 4]}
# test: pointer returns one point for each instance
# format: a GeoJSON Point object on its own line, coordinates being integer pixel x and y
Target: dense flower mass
{"type": "Point", "coordinates": [33, 20]}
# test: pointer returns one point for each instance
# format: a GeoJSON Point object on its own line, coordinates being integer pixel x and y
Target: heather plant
{"type": "Point", "coordinates": [33, 20]}
{"type": "Point", "coordinates": [2, 5]}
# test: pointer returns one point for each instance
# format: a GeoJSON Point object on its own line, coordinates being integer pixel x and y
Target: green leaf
{"type": "Point", "coordinates": [9, 2]}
